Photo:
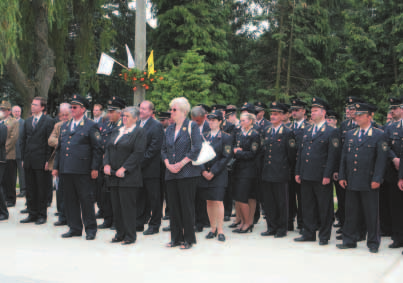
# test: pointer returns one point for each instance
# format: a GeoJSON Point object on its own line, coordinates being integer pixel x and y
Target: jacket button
{"type": "Point", "coordinates": [269, 162]}
{"type": "Point", "coordinates": [68, 142]}
{"type": "Point", "coordinates": [355, 162]}
{"type": "Point", "coordinates": [356, 148]}
{"type": "Point", "coordinates": [307, 153]}
{"type": "Point", "coordinates": [309, 147]}
{"type": "Point", "coordinates": [67, 148]}
{"type": "Point", "coordinates": [269, 156]}
{"type": "Point", "coordinates": [356, 155]}
{"type": "Point", "coordinates": [67, 155]}
{"type": "Point", "coordinates": [355, 169]}
{"type": "Point", "coordinates": [306, 160]}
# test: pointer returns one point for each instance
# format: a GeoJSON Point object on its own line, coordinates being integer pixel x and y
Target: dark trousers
{"type": "Point", "coordinates": [294, 203]}
{"type": "Point", "coordinates": [49, 184]}
{"type": "Point", "coordinates": [384, 205]}
{"type": "Point", "coordinates": [341, 203]}
{"type": "Point", "coordinates": [78, 200]}
{"type": "Point", "coordinates": [37, 192]}
{"type": "Point", "coordinates": [107, 207]}
{"type": "Point", "coordinates": [396, 209]}
{"type": "Point", "coordinates": [228, 197]}
{"type": "Point", "coordinates": [99, 192]}
{"type": "Point", "coordinates": [151, 198]}
{"type": "Point", "coordinates": [9, 183]}
{"type": "Point", "coordinates": [60, 200]}
{"type": "Point", "coordinates": [366, 203]}
{"type": "Point", "coordinates": [201, 216]}
{"type": "Point", "coordinates": [124, 211]}
{"type": "Point", "coordinates": [181, 197]}
{"type": "Point", "coordinates": [317, 207]}
{"type": "Point", "coordinates": [275, 203]}
{"type": "Point", "coordinates": [21, 175]}
{"type": "Point", "coordinates": [3, 205]}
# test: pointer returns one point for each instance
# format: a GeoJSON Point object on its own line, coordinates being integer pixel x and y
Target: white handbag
{"type": "Point", "coordinates": [207, 152]}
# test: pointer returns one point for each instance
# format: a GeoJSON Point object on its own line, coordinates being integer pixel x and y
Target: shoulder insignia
{"type": "Point", "coordinates": [249, 133]}
{"type": "Point", "coordinates": [97, 135]}
{"type": "Point", "coordinates": [227, 149]}
{"type": "Point", "coordinates": [302, 126]}
{"type": "Point", "coordinates": [384, 146]}
{"type": "Point", "coordinates": [356, 132]}
{"type": "Point", "coordinates": [291, 142]}
{"type": "Point", "coordinates": [254, 146]}
{"type": "Point", "coordinates": [335, 142]}
{"type": "Point", "coordinates": [323, 128]}
{"type": "Point", "coordinates": [268, 130]}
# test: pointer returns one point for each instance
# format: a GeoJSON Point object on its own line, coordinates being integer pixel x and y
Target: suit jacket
{"type": "Point", "coordinates": [78, 152]}
{"type": "Point", "coordinates": [53, 142]}
{"type": "Point", "coordinates": [279, 154]}
{"type": "Point", "coordinates": [346, 126]}
{"type": "Point", "coordinates": [222, 145]}
{"type": "Point", "coordinates": [176, 149]}
{"type": "Point", "coordinates": [246, 165]}
{"type": "Point", "coordinates": [35, 151]}
{"type": "Point", "coordinates": [298, 133]}
{"type": "Point", "coordinates": [3, 139]}
{"type": "Point", "coordinates": [363, 162]}
{"type": "Point", "coordinates": [12, 137]}
{"type": "Point", "coordinates": [17, 145]}
{"type": "Point", "coordinates": [128, 152]}
{"type": "Point", "coordinates": [152, 155]}
{"type": "Point", "coordinates": [317, 156]}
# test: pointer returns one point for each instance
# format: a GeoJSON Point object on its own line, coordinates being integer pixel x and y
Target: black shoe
{"type": "Point", "coordinates": [99, 215]}
{"type": "Point", "coordinates": [40, 221]}
{"type": "Point", "coordinates": [249, 229]}
{"type": "Point", "coordinates": [227, 218]}
{"type": "Point", "coordinates": [139, 228]}
{"type": "Point", "coordinates": [221, 237]}
{"type": "Point", "coordinates": [90, 237]}
{"type": "Point", "coordinates": [339, 231]}
{"type": "Point", "coordinates": [24, 211]}
{"type": "Point", "coordinates": [3, 217]}
{"type": "Point", "coordinates": [395, 245]}
{"type": "Point", "coordinates": [173, 244]}
{"type": "Point", "coordinates": [29, 219]}
{"type": "Point", "coordinates": [151, 231]}
{"type": "Point", "coordinates": [21, 194]}
{"type": "Point", "coordinates": [323, 242]}
{"type": "Point", "coordinates": [113, 227]}
{"type": "Point", "coordinates": [57, 213]}
{"type": "Point", "coordinates": [128, 242]}
{"type": "Point", "coordinates": [233, 214]}
{"type": "Point", "coordinates": [337, 225]}
{"type": "Point", "coordinates": [339, 237]}
{"type": "Point", "coordinates": [234, 225]}
{"type": "Point", "coordinates": [166, 217]}
{"type": "Point", "coordinates": [345, 247]}
{"type": "Point", "coordinates": [304, 239]}
{"type": "Point", "coordinates": [70, 234]}
{"type": "Point", "coordinates": [186, 246]}
{"type": "Point", "coordinates": [10, 204]}
{"type": "Point", "coordinates": [301, 232]}
{"type": "Point", "coordinates": [116, 240]}
{"type": "Point", "coordinates": [60, 223]}
{"type": "Point", "coordinates": [199, 229]}
{"type": "Point", "coordinates": [105, 225]}
{"type": "Point", "coordinates": [166, 229]}
{"type": "Point", "coordinates": [211, 235]}
{"type": "Point", "coordinates": [373, 250]}
{"type": "Point", "coordinates": [236, 230]}
{"type": "Point", "coordinates": [268, 233]}
{"type": "Point", "coordinates": [280, 235]}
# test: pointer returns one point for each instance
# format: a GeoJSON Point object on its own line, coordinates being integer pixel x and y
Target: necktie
{"type": "Point", "coordinates": [315, 130]}
{"type": "Point", "coordinates": [142, 123]}
{"type": "Point", "coordinates": [273, 133]}
{"type": "Point", "coordinates": [295, 126]}
{"type": "Point", "coordinates": [74, 126]}
{"type": "Point", "coordinates": [362, 133]}
{"type": "Point", "coordinates": [35, 122]}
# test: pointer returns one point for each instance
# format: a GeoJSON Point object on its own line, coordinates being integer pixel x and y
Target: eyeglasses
{"type": "Point", "coordinates": [74, 107]}
{"type": "Point", "coordinates": [173, 109]}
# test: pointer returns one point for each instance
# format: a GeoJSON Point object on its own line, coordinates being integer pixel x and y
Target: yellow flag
{"type": "Point", "coordinates": [150, 62]}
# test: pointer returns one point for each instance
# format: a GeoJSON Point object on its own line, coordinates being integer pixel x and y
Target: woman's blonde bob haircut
{"type": "Point", "coordinates": [182, 104]}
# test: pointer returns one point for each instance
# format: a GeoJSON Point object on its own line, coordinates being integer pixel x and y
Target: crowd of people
{"type": "Point", "coordinates": [133, 160]}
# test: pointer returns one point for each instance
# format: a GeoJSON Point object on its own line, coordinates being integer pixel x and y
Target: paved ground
{"type": "Point", "coordinates": [31, 253]}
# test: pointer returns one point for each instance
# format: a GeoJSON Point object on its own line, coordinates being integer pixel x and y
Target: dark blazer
{"type": "Point", "coordinates": [3, 139]}
{"type": "Point", "coordinates": [246, 165]}
{"type": "Point", "coordinates": [206, 127]}
{"type": "Point", "coordinates": [106, 129]}
{"type": "Point", "coordinates": [222, 144]}
{"type": "Point", "coordinates": [152, 155]}
{"type": "Point", "coordinates": [317, 156]}
{"type": "Point", "coordinates": [78, 152]}
{"type": "Point", "coordinates": [228, 127]}
{"type": "Point", "coordinates": [279, 154]}
{"type": "Point", "coordinates": [35, 151]}
{"type": "Point", "coordinates": [17, 145]}
{"type": "Point", "coordinates": [298, 133]}
{"type": "Point", "coordinates": [263, 125]}
{"type": "Point", "coordinates": [128, 152]}
{"type": "Point", "coordinates": [363, 162]}
{"type": "Point", "coordinates": [175, 150]}
{"type": "Point", "coordinates": [346, 126]}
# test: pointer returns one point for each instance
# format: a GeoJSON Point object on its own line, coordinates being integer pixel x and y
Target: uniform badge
{"type": "Point", "coordinates": [384, 146]}
{"type": "Point", "coordinates": [97, 135]}
{"type": "Point", "coordinates": [254, 146]}
{"type": "Point", "coordinates": [335, 142]}
{"type": "Point", "coordinates": [227, 149]}
{"type": "Point", "coordinates": [291, 142]}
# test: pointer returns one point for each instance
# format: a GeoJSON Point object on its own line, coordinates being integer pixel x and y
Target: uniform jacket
{"type": "Point", "coordinates": [152, 155]}
{"type": "Point", "coordinates": [228, 127]}
{"type": "Point", "coordinates": [176, 149]}
{"type": "Point", "coordinates": [53, 141]}
{"type": "Point", "coordinates": [78, 152]}
{"type": "Point", "coordinates": [222, 144]}
{"type": "Point", "coordinates": [346, 126]}
{"type": "Point", "coordinates": [21, 123]}
{"type": "Point", "coordinates": [106, 129]}
{"type": "Point", "coordinates": [279, 154]}
{"type": "Point", "coordinates": [128, 152]}
{"type": "Point", "coordinates": [363, 162]}
{"type": "Point", "coordinates": [35, 150]}
{"type": "Point", "coordinates": [3, 139]}
{"type": "Point", "coordinates": [246, 165]}
{"type": "Point", "coordinates": [317, 156]}
{"type": "Point", "coordinates": [298, 134]}
{"type": "Point", "coordinates": [12, 137]}
{"type": "Point", "coordinates": [263, 124]}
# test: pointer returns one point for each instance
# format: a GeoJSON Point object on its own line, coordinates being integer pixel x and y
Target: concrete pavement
{"type": "Point", "coordinates": [31, 253]}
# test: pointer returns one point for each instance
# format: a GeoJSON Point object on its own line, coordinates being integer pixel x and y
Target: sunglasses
{"type": "Point", "coordinates": [173, 109]}
{"type": "Point", "coordinates": [75, 107]}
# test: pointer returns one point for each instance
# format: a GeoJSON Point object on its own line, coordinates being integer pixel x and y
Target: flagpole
{"type": "Point", "coordinates": [140, 46]}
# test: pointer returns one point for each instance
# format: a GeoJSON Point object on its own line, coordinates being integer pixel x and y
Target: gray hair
{"type": "Point", "coordinates": [198, 111]}
{"type": "Point", "coordinates": [182, 103]}
{"type": "Point", "coordinates": [133, 111]}
{"type": "Point", "coordinates": [65, 106]}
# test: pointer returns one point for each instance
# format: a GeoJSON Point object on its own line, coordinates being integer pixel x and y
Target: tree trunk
{"type": "Point", "coordinates": [290, 54]}
{"type": "Point", "coordinates": [279, 54]}
{"type": "Point", "coordinates": [44, 63]}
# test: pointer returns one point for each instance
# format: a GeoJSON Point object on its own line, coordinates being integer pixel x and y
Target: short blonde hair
{"type": "Point", "coordinates": [182, 103]}
{"type": "Point", "coordinates": [250, 117]}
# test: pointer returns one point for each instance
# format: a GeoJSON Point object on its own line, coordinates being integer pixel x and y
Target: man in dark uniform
{"type": "Point", "coordinates": [261, 121]}
{"type": "Point", "coordinates": [35, 156]}
{"type": "Point", "coordinates": [151, 166]}
{"type": "Point", "coordinates": [331, 118]}
{"type": "Point", "coordinates": [317, 157]}
{"type": "Point", "coordinates": [298, 127]}
{"type": "Point", "coordinates": [3, 138]}
{"type": "Point", "coordinates": [115, 105]}
{"type": "Point", "coordinates": [279, 149]}
{"type": "Point", "coordinates": [287, 117]}
{"type": "Point", "coordinates": [78, 158]}
{"type": "Point", "coordinates": [227, 126]}
{"type": "Point", "coordinates": [361, 173]}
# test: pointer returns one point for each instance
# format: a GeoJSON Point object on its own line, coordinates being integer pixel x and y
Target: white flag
{"type": "Point", "coordinates": [130, 60]}
{"type": "Point", "coordinates": [105, 65]}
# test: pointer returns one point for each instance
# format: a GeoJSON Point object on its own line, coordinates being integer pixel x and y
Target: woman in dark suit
{"type": "Point", "coordinates": [247, 141]}
{"type": "Point", "coordinates": [182, 144]}
{"type": "Point", "coordinates": [215, 175]}
{"type": "Point", "coordinates": [122, 166]}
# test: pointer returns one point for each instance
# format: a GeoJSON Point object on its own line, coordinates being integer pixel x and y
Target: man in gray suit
{"type": "Point", "coordinates": [16, 111]}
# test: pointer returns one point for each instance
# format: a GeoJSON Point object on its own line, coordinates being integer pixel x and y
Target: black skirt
{"type": "Point", "coordinates": [244, 189]}
{"type": "Point", "coordinates": [212, 193]}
